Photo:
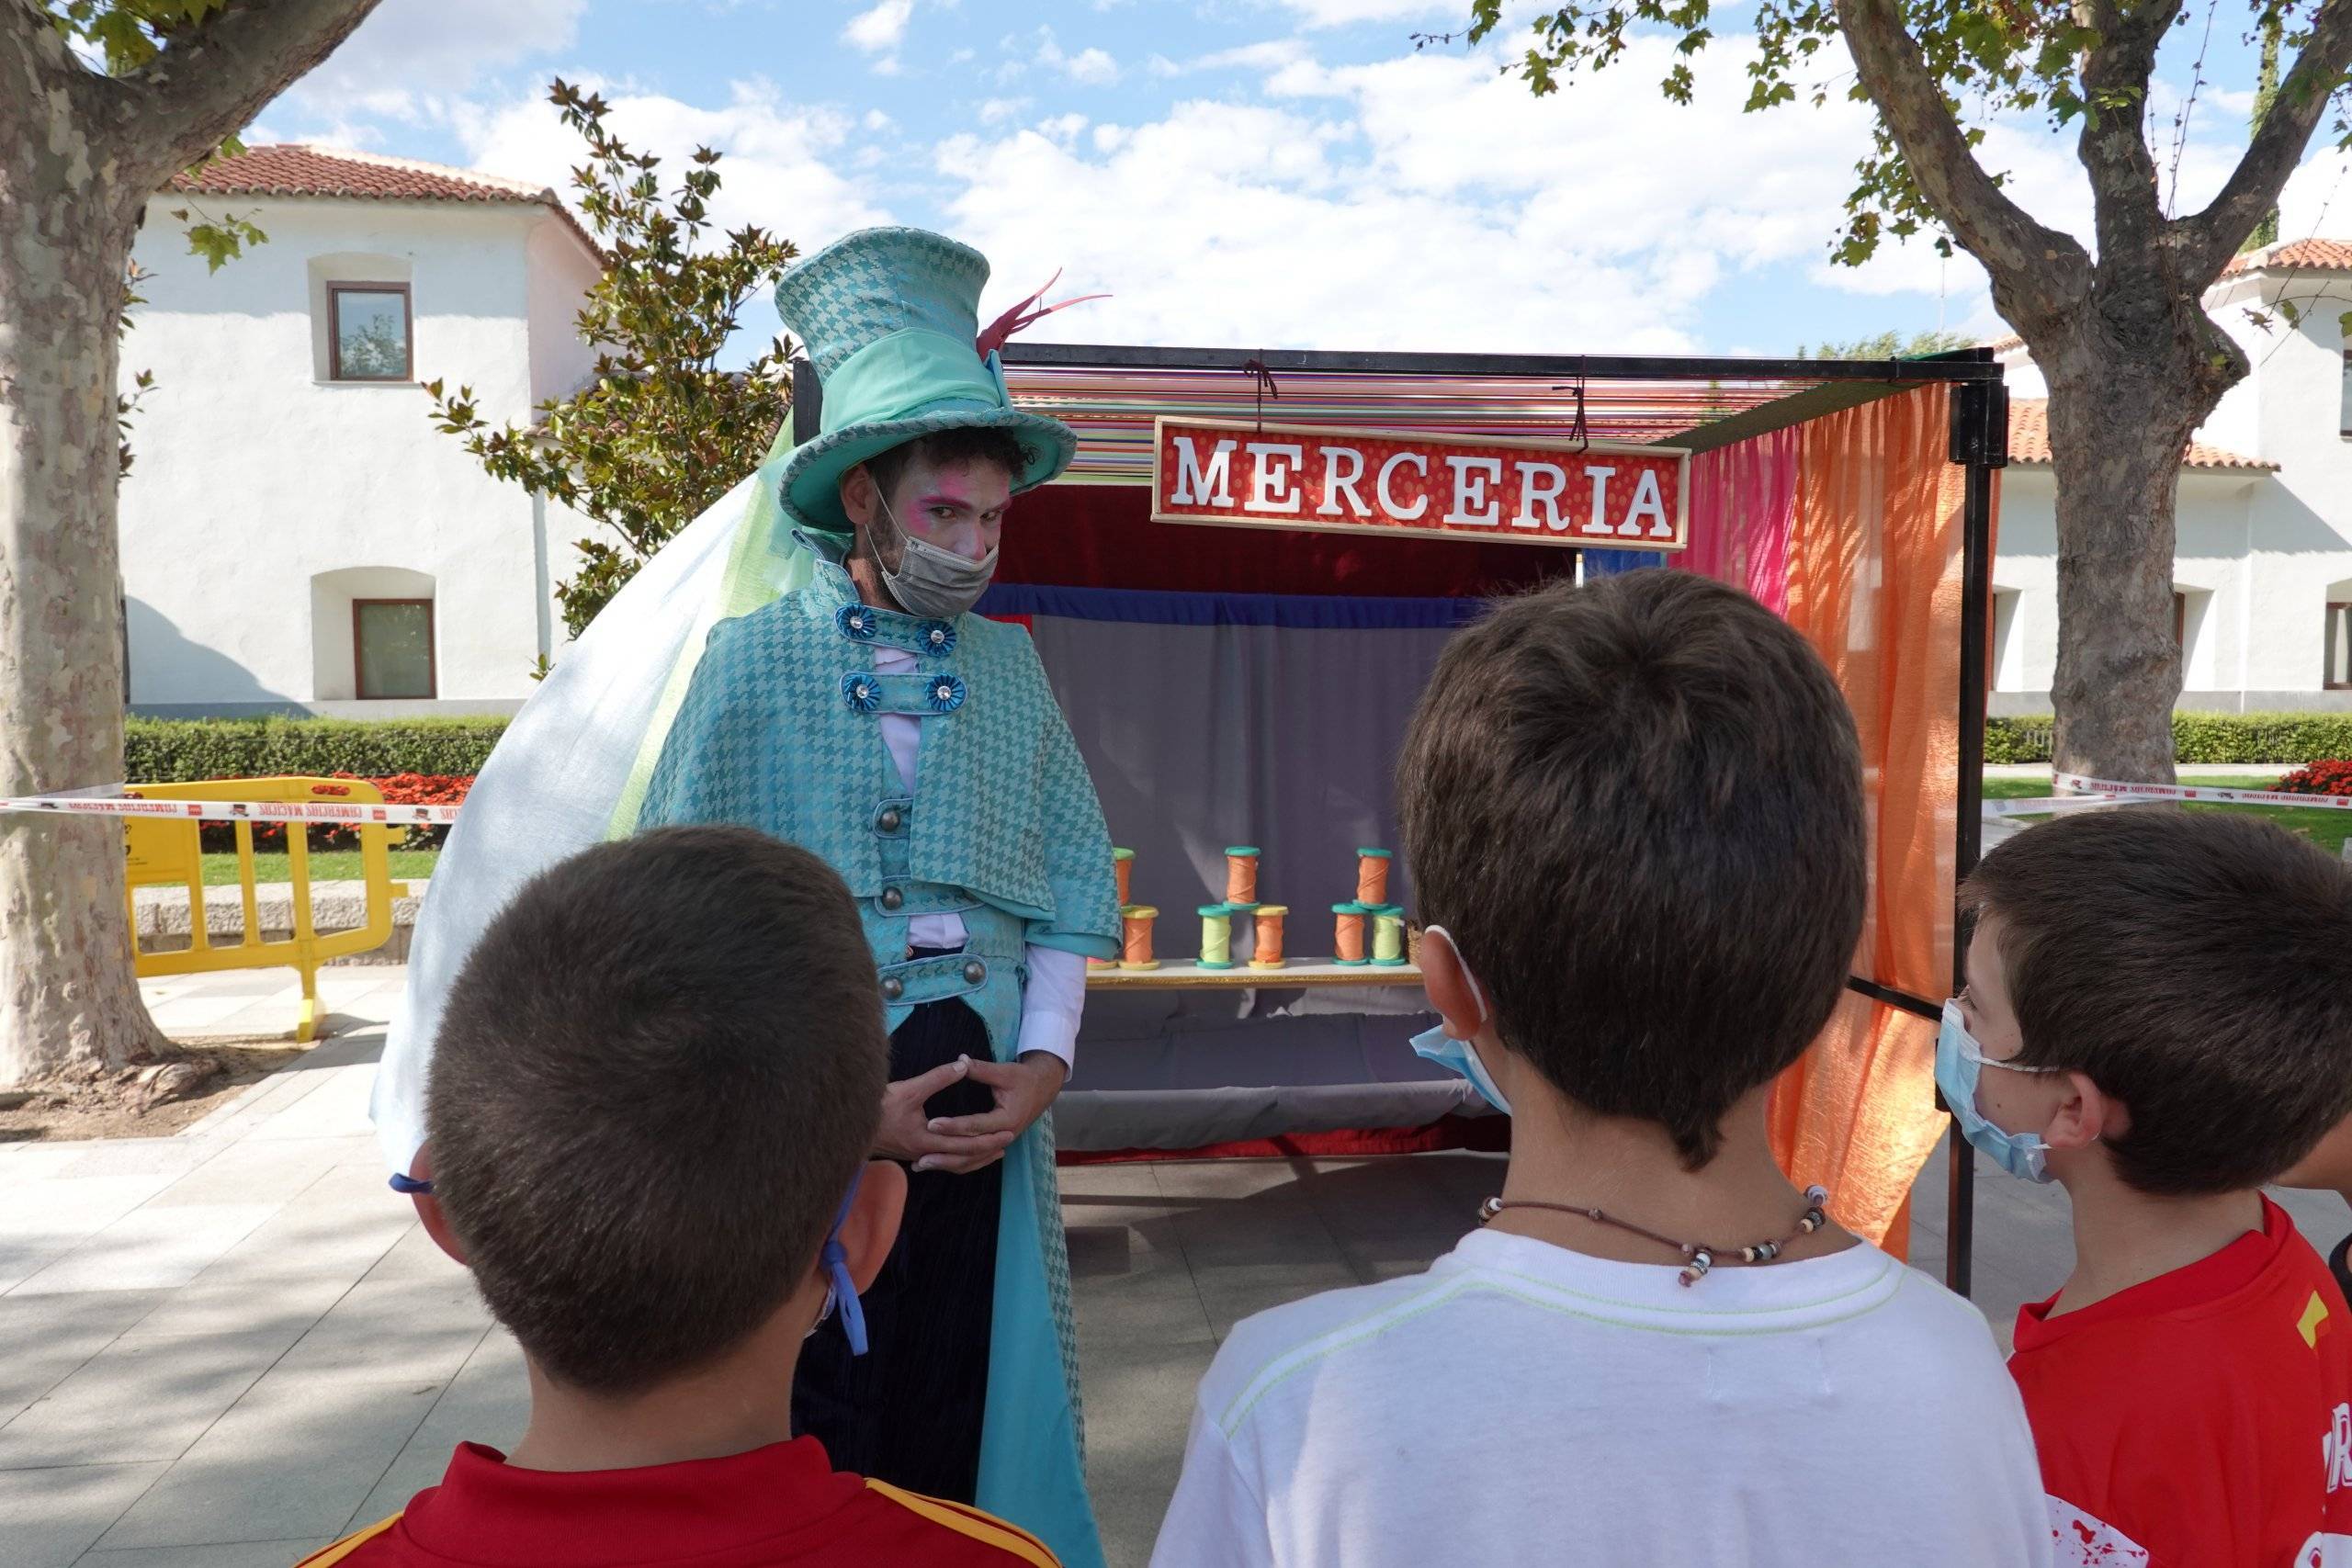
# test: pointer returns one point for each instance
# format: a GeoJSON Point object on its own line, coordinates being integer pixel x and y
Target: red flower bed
{"type": "Point", "coordinates": [400, 789]}
{"type": "Point", "coordinates": [2319, 778]}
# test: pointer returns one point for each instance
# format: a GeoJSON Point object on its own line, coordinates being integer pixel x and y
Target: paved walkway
{"type": "Point", "coordinates": [224, 1348]}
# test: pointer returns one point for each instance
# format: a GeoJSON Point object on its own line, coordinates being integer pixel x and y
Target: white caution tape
{"type": "Point", "coordinates": [80, 803]}
{"type": "Point", "coordinates": [2090, 791]}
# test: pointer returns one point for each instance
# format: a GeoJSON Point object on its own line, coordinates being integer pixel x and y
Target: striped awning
{"type": "Point", "coordinates": [1113, 409]}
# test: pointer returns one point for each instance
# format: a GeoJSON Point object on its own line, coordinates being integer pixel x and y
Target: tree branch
{"type": "Point", "coordinates": [2127, 207]}
{"type": "Point", "coordinates": [210, 81]}
{"type": "Point", "coordinates": [35, 64]}
{"type": "Point", "coordinates": [2015, 249]}
{"type": "Point", "coordinates": [2211, 237]}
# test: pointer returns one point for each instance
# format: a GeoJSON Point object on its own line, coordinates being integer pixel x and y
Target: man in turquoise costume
{"type": "Point", "coordinates": [868, 717]}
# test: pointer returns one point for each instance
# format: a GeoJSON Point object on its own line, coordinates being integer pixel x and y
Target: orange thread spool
{"type": "Point", "coordinates": [1123, 867]}
{"type": "Point", "coordinates": [1347, 941]}
{"type": "Point", "coordinates": [1371, 877]}
{"type": "Point", "coordinates": [1266, 950]}
{"type": "Point", "coordinates": [1136, 952]}
{"type": "Point", "coordinates": [1242, 875]}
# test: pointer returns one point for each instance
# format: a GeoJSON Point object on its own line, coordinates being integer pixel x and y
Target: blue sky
{"type": "Point", "coordinates": [1255, 172]}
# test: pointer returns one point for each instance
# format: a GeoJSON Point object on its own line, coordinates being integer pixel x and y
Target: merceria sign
{"type": "Point", "coordinates": [1607, 495]}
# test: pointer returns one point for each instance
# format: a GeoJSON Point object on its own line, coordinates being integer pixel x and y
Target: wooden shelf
{"type": "Point", "coordinates": [1184, 974]}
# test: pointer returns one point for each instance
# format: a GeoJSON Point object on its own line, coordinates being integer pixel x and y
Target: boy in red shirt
{"type": "Point", "coordinates": [656, 1084]}
{"type": "Point", "coordinates": [2158, 1016]}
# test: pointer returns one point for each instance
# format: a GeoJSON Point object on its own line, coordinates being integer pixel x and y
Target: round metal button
{"type": "Point", "coordinates": [890, 819]}
{"type": "Point", "coordinates": [938, 635]}
{"type": "Point", "coordinates": [975, 972]}
{"type": "Point", "coordinates": [892, 898]}
{"type": "Point", "coordinates": [893, 989]}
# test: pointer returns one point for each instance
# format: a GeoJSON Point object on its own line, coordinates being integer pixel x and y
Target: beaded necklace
{"type": "Point", "coordinates": [1701, 1257]}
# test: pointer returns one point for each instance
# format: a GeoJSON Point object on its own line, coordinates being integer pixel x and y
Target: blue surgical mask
{"type": "Point", "coordinates": [841, 1291]}
{"type": "Point", "coordinates": [1459, 1055]}
{"type": "Point", "coordinates": [1959, 1061]}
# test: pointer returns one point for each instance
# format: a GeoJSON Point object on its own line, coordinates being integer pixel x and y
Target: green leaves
{"type": "Point", "coordinates": [127, 34]}
{"type": "Point", "coordinates": [217, 240]}
{"type": "Point", "coordinates": [660, 432]}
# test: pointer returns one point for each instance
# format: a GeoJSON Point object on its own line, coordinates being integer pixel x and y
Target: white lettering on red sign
{"type": "Point", "coordinates": [1595, 495]}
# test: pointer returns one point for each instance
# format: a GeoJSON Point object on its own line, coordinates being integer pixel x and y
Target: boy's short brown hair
{"type": "Point", "coordinates": [2195, 965]}
{"type": "Point", "coordinates": [655, 1080]}
{"type": "Point", "coordinates": [1637, 807]}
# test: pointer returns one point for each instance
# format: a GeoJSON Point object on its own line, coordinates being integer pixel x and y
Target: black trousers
{"type": "Point", "coordinates": [908, 1411]}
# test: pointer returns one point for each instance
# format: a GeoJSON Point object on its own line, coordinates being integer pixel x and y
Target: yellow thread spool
{"type": "Point", "coordinates": [1266, 937]}
{"type": "Point", "coordinates": [1388, 937]}
{"type": "Point", "coordinates": [1216, 937]}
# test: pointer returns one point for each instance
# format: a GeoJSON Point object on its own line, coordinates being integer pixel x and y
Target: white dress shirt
{"type": "Point", "coordinates": [1057, 991]}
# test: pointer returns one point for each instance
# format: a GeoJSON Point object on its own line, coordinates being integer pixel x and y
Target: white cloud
{"type": "Point", "coordinates": [1346, 12]}
{"type": "Point", "coordinates": [879, 30]}
{"type": "Point", "coordinates": [444, 46]}
{"type": "Point", "coordinates": [996, 111]}
{"type": "Point", "coordinates": [778, 169]}
{"type": "Point", "coordinates": [875, 120]}
{"type": "Point", "coordinates": [1063, 129]}
{"type": "Point", "coordinates": [1091, 67]}
{"type": "Point", "coordinates": [1426, 201]}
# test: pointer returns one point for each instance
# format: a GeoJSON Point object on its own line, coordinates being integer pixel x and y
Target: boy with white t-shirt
{"type": "Point", "coordinates": [1633, 813]}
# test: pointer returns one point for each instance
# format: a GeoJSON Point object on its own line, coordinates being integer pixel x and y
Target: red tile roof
{"type": "Point", "coordinates": [2303, 255]}
{"type": "Point", "coordinates": [2029, 442]}
{"type": "Point", "coordinates": [293, 169]}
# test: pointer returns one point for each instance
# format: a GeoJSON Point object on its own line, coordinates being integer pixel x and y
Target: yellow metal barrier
{"type": "Point", "coordinates": [167, 853]}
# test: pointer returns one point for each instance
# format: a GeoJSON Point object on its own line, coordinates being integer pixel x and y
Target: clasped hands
{"type": "Point", "coordinates": [1022, 1090]}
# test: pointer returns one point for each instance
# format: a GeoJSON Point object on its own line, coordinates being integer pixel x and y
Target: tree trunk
{"type": "Point", "coordinates": [2119, 425]}
{"type": "Point", "coordinates": [67, 992]}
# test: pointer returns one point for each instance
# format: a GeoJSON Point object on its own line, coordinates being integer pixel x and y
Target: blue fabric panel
{"type": "Point", "coordinates": [1292, 612]}
{"type": "Point", "coordinates": [1613, 563]}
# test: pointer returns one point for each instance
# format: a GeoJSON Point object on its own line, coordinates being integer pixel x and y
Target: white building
{"type": "Point", "coordinates": [297, 536]}
{"type": "Point", "coordinates": [2262, 578]}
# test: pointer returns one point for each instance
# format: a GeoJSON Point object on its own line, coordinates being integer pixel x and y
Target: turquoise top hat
{"type": "Point", "coordinates": [890, 317]}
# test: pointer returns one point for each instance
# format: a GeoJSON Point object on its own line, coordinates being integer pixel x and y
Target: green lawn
{"type": "Point", "coordinates": [2329, 829]}
{"type": "Point", "coordinates": [326, 865]}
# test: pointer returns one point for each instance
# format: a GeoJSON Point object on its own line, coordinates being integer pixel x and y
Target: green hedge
{"type": "Point", "coordinates": [2198, 737]}
{"type": "Point", "coordinates": [175, 750]}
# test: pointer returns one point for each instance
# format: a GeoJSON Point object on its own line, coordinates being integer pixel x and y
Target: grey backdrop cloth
{"type": "Point", "coordinates": [1284, 737]}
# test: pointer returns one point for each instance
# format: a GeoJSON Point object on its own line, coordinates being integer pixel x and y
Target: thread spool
{"type": "Point", "coordinates": [1136, 949]}
{"type": "Point", "coordinates": [1347, 939]}
{"type": "Point", "coordinates": [1216, 937]}
{"type": "Point", "coordinates": [1241, 876]}
{"type": "Point", "coordinates": [1371, 877]}
{"type": "Point", "coordinates": [1123, 867]}
{"type": "Point", "coordinates": [1266, 937]}
{"type": "Point", "coordinates": [1389, 937]}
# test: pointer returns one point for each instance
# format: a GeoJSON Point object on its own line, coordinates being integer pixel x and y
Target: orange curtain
{"type": "Point", "coordinates": [1874, 583]}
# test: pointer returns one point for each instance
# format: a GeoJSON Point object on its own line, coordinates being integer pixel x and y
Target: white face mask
{"type": "Point", "coordinates": [930, 580]}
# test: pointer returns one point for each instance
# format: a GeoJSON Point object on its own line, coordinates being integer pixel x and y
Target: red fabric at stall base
{"type": "Point", "coordinates": [1480, 1134]}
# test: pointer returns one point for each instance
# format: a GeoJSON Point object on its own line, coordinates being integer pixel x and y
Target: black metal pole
{"type": "Point", "coordinates": [1981, 441]}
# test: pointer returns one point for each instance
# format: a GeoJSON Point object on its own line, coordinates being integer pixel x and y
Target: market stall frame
{"type": "Point", "coordinates": [1978, 443]}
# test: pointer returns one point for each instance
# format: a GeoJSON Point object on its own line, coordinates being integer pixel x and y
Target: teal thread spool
{"type": "Point", "coordinates": [1216, 936]}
